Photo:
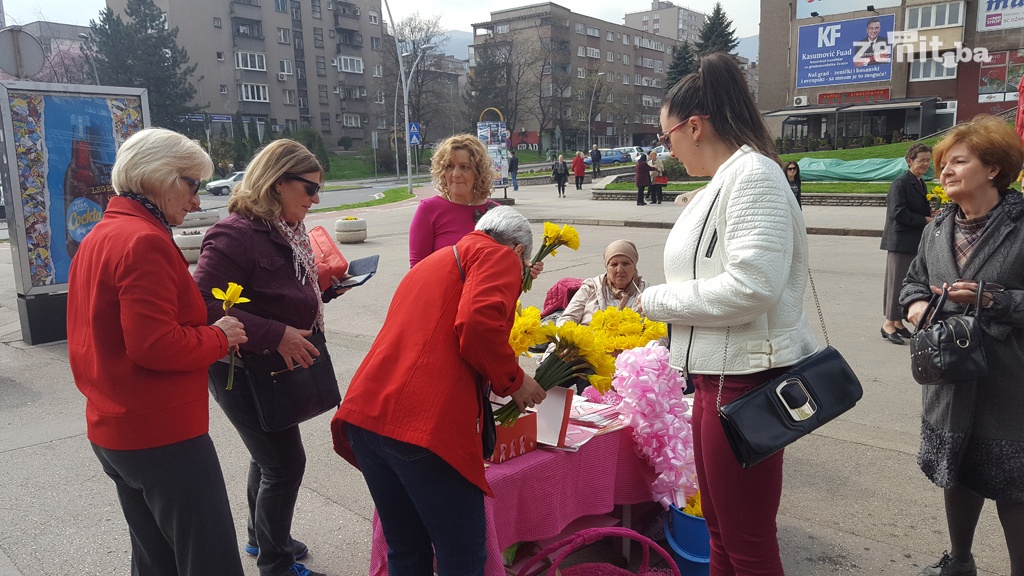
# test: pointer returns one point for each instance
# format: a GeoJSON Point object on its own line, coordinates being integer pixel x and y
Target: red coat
{"type": "Point", "coordinates": [418, 383]}
{"type": "Point", "coordinates": [138, 342]}
{"type": "Point", "coordinates": [579, 167]}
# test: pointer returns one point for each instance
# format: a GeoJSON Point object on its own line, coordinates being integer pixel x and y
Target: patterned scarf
{"type": "Point", "coordinates": [150, 206]}
{"type": "Point", "coordinates": [302, 258]}
{"type": "Point", "coordinates": [966, 235]}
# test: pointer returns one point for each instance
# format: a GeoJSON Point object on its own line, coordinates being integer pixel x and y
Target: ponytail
{"type": "Point", "coordinates": [717, 89]}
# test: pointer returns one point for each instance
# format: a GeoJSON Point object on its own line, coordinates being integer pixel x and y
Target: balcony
{"type": "Point", "coordinates": [246, 28]}
{"type": "Point", "coordinates": [345, 10]}
{"type": "Point", "coordinates": [245, 9]}
{"type": "Point", "coordinates": [349, 41]}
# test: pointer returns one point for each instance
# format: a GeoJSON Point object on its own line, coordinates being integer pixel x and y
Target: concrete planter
{"type": "Point", "coordinates": [190, 241]}
{"type": "Point", "coordinates": [350, 231]}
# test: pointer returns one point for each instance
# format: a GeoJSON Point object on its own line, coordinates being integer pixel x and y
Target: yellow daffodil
{"type": "Point", "coordinates": [570, 237]}
{"type": "Point", "coordinates": [553, 238]}
{"type": "Point", "coordinates": [693, 507]}
{"type": "Point", "coordinates": [526, 330]}
{"type": "Point", "coordinates": [232, 296]}
{"type": "Point", "coordinates": [551, 233]}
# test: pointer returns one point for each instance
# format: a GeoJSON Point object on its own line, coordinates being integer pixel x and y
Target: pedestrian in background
{"type": "Point", "coordinates": [560, 174]}
{"type": "Point", "coordinates": [595, 162]}
{"type": "Point", "coordinates": [139, 346]}
{"type": "Point", "coordinates": [907, 212]}
{"type": "Point", "coordinates": [656, 187]}
{"type": "Point", "coordinates": [734, 293]}
{"type": "Point", "coordinates": [579, 169]}
{"type": "Point", "coordinates": [513, 169]}
{"type": "Point", "coordinates": [643, 178]}
{"type": "Point", "coordinates": [793, 176]}
{"type": "Point", "coordinates": [972, 433]}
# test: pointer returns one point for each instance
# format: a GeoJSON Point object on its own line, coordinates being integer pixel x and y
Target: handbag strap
{"type": "Point", "coordinates": [824, 330]}
{"type": "Point", "coordinates": [937, 301]}
{"type": "Point", "coordinates": [458, 262]}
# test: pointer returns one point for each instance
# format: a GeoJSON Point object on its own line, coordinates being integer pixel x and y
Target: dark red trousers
{"type": "Point", "coordinates": [739, 505]}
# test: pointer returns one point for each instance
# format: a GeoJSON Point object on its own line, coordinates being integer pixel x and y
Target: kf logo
{"type": "Point", "coordinates": [827, 36]}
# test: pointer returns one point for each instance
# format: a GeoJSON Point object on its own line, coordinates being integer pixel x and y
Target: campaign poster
{"type": "Point", "coordinates": [831, 7]}
{"type": "Point", "coordinates": [845, 52]}
{"type": "Point", "coordinates": [495, 136]}
{"type": "Point", "coordinates": [1000, 15]}
{"type": "Point", "coordinates": [63, 144]}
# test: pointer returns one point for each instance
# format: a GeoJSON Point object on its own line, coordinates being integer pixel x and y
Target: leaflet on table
{"type": "Point", "coordinates": [593, 414]}
{"type": "Point", "coordinates": [553, 417]}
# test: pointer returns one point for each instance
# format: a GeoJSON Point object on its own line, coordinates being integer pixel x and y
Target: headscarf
{"type": "Point", "coordinates": [627, 249]}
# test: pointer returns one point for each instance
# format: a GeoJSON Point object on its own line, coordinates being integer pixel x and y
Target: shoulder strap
{"type": "Point", "coordinates": [458, 262]}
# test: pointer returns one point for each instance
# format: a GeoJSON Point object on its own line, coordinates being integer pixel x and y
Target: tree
{"type": "Point", "coordinates": [505, 77]}
{"type": "Point", "coordinates": [141, 52]}
{"type": "Point", "coordinates": [427, 87]}
{"type": "Point", "coordinates": [684, 62]}
{"type": "Point", "coordinates": [312, 140]}
{"type": "Point", "coordinates": [717, 34]}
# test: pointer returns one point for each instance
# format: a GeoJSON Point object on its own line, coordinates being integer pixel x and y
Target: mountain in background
{"type": "Point", "coordinates": [748, 48]}
{"type": "Point", "coordinates": [458, 44]}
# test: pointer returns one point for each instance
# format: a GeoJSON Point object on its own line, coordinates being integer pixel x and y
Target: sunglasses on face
{"type": "Point", "coordinates": [664, 138]}
{"type": "Point", "coordinates": [791, 169]}
{"type": "Point", "coordinates": [193, 184]}
{"type": "Point", "coordinates": [312, 188]}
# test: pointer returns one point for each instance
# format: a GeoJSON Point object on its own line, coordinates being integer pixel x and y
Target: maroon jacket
{"type": "Point", "coordinates": [643, 173]}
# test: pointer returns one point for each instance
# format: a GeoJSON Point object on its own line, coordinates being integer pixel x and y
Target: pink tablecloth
{"type": "Point", "coordinates": [538, 494]}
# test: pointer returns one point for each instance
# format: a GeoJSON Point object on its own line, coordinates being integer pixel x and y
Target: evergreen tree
{"type": "Point", "coordinates": [313, 141]}
{"type": "Point", "coordinates": [683, 63]}
{"type": "Point", "coordinates": [717, 34]}
{"type": "Point", "coordinates": [141, 52]}
{"type": "Point", "coordinates": [240, 149]}
{"type": "Point", "coordinates": [486, 86]}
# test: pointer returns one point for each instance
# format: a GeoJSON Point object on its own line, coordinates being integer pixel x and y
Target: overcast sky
{"type": "Point", "coordinates": [458, 14]}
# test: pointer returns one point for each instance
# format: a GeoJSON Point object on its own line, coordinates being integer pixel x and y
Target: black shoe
{"type": "Point", "coordinates": [641, 204]}
{"type": "Point", "coordinates": [949, 566]}
{"type": "Point", "coordinates": [904, 333]}
{"type": "Point", "coordinates": [895, 338]}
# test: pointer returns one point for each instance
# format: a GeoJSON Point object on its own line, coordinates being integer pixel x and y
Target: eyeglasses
{"type": "Point", "coordinates": [313, 187]}
{"type": "Point", "coordinates": [193, 183]}
{"type": "Point", "coordinates": [664, 138]}
{"type": "Point", "coordinates": [791, 169]}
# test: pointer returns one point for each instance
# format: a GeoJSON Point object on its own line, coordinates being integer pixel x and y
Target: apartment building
{"type": "Point", "coordinates": [285, 64]}
{"type": "Point", "coordinates": [588, 68]}
{"type": "Point", "coordinates": [667, 19]}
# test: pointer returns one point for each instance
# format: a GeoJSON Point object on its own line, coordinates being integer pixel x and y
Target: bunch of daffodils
{"type": "Point", "coordinates": [526, 331]}
{"type": "Point", "coordinates": [553, 238]}
{"type": "Point", "coordinates": [625, 329]}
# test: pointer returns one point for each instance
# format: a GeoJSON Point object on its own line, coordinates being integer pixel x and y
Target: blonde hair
{"type": "Point", "coordinates": [579, 154]}
{"type": "Point", "coordinates": [152, 160]}
{"type": "Point", "coordinates": [255, 195]}
{"type": "Point", "coordinates": [482, 167]}
{"type": "Point", "coordinates": [992, 141]}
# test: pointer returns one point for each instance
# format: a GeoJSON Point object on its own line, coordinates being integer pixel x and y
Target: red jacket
{"type": "Point", "coordinates": [138, 342]}
{"type": "Point", "coordinates": [579, 167]}
{"type": "Point", "coordinates": [418, 383]}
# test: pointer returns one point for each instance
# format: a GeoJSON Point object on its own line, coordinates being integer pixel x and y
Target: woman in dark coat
{"type": "Point", "coordinates": [793, 176]}
{"type": "Point", "coordinates": [560, 174]}
{"type": "Point", "coordinates": [972, 433]}
{"type": "Point", "coordinates": [643, 178]}
{"type": "Point", "coordinates": [907, 213]}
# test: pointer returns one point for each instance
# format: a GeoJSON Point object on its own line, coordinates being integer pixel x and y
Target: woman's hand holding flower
{"type": "Point", "coordinates": [295, 349]}
{"type": "Point", "coordinates": [530, 394]}
{"type": "Point", "coordinates": [233, 329]}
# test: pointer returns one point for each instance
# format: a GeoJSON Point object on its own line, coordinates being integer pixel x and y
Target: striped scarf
{"type": "Point", "coordinates": [966, 235]}
{"type": "Point", "coordinates": [302, 257]}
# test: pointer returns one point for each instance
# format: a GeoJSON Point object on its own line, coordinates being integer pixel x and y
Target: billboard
{"type": "Point", "coordinates": [998, 78]}
{"type": "Point", "coordinates": [830, 7]}
{"type": "Point", "coordinates": [844, 52]}
{"type": "Point", "coordinates": [1000, 15]}
{"type": "Point", "coordinates": [62, 145]}
{"type": "Point", "coordinates": [495, 136]}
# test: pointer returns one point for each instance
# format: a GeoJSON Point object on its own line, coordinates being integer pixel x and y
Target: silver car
{"type": "Point", "coordinates": [225, 186]}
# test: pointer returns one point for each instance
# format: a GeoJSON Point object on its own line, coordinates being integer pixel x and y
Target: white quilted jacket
{"type": "Point", "coordinates": [736, 258]}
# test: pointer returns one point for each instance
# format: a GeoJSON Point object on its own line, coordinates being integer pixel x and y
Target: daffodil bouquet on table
{"type": "Point", "coordinates": [553, 238]}
{"type": "Point", "coordinates": [625, 329]}
{"type": "Point", "coordinates": [578, 353]}
{"type": "Point", "coordinates": [232, 296]}
{"type": "Point", "coordinates": [937, 198]}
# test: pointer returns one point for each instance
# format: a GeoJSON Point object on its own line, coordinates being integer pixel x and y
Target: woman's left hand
{"type": "Point", "coordinates": [338, 290]}
{"type": "Point", "coordinates": [964, 292]}
{"type": "Point", "coordinates": [536, 269]}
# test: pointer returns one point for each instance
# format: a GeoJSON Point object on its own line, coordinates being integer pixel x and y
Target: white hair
{"type": "Point", "coordinates": [152, 160]}
{"type": "Point", "coordinates": [507, 227]}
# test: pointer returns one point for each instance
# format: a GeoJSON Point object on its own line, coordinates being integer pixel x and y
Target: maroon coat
{"type": "Point", "coordinates": [643, 173]}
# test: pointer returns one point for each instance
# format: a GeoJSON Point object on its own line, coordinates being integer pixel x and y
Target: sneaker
{"type": "Point", "coordinates": [949, 566]}
{"type": "Point", "coordinates": [300, 570]}
{"type": "Point", "coordinates": [300, 549]}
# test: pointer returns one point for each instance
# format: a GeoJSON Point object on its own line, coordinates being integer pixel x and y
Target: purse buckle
{"type": "Point", "coordinates": [801, 412]}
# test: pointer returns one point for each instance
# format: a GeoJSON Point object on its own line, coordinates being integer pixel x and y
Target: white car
{"type": "Point", "coordinates": [662, 153]}
{"type": "Point", "coordinates": [631, 152]}
{"type": "Point", "coordinates": [225, 186]}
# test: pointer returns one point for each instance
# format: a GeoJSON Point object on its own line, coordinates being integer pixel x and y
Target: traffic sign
{"type": "Point", "coordinates": [414, 128]}
{"type": "Point", "coordinates": [414, 139]}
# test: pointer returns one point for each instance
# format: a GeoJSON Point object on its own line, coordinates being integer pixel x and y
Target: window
{"type": "Point", "coordinates": [593, 52]}
{"type": "Point", "coordinates": [928, 69]}
{"type": "Point", "coordinates": [648, 63]}
{"type": "Point", "coordinates": [325, 122]}
{"type": "Point", "coordinates": [580, 28]}
{"type": "Point", "coordinates": [350, 64]}
{"type": "Point", "coordinates": [299, 44]}
{"type": "Point", "coordinates": [644, 27]}
{"type": "Point", "coordinates": [592, 31]}
{"type": "Point", "coordinates": [289, 97]}
{"type": "Point", "coordinates": [611, 56]}
{"type": "Point", "coordinates": [300, 70]}
{"type": "Point", "coordinates": [581, 51]}
{"type": "Point", "coordinates": [581, 72]}
{"type": "Point", "coordinates": [330, 32]}
{"type": "Point", "coordinates": [216, 22]}
{"type": "Point", "coordinates": [296, 10]}
{"type": "Point", "coordinates": [382, 123]}
{"type": "Point", "coordinates": [379, 99]}
{"type": "Point", "coordinates": [659, 65]}
{"type": "Point", "coordinates": [250, 61]}
{"type": "Point", "coordinates": [646, 18]}
{"type": "Point", "coordinates": [625, 79]}
{"type": "Point", "coordinates": [223, 88]}
{"type": "Point", "coordinates": [281, 5]}
{"type": "Point", "coordinates": [501, 29]}
{"type": "Point", "coordinates": [291, 125]}
{"type": "Point", "coordinates": [253, 93]}
{"type": "Point", "coordinates": [284, 36]}
{"type": "Point", "coordinates": [318, 37]}
{"type": "Point", "coordinates": [625, 59]}
{"type": "Point", "coordinates": [374, 18]}
{"type": "Point", "coordinates": [285, 67]}
{"type": "Point", "coordinates": [316, 8]}
{"type": "Point", "coordinates": [625, 39]}
{"type": "Point", "coordinates": [321, 91]}
{"type": "Point", "coordinates": [303, 101]}
{"type": "Point", "coordinates": [657, 16]}
{"type": "Point", "coordinates": [378, 71]}
{"type": "Point", "coordinates": [351, 120]}
{"type": "Point", "coordinates": [220, 56]}
{"type": "Point", "coordinates": [611, 36]}
{"type": "Point", "coordinates": [637, 79]}
{"type": "Point", "coordinates": [374, 43]}
{"type": "Point", "coordinates": [321, 66]}
{"type": "Point", "coordinates": [546, 90]}
{"type": "Point", "coordinates": [934, 16]}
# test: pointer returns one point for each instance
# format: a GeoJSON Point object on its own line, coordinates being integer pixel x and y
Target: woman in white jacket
{"type": "Point", "coordinates": [735, 270]}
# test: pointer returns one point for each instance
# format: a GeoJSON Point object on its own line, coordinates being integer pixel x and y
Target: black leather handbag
{"type": "Point", "coordinates": [485, 424]}
{"type": "Point", "coordinates": [948, 350]}
{"type": "Point", "coordinates": [284, 397]}
{"type": "Point", "coordinates": [787, 408]}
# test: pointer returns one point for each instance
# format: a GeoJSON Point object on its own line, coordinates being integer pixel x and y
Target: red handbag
{"type": "Point", "coordinates": [661, 179]}
{"type": "Point", "coordinates": [327, 257]}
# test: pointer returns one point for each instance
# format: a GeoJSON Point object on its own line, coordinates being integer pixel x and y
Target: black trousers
{"type": "Point", "coordinates": [640, 195]}
{"type": "Point", "coordinates": [656, 194]}
{"type": "Point", "coordinates": [579, 182]}
{"type": "Point", "coordinates": [174, 500]}
{"type": "Point", "coordinates": [275, 472]}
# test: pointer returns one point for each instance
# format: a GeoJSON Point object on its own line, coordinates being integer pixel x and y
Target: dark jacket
{"type": "Point", "coordinates": [906, 215]}
{"type": "Point", "coordinates": [643, 173]}
{"type": "Point", "coordinates": [513, 165]}
{"type": "Point", "coordinates": [595, 156]}
{"type": "Point", "coordinates": [560, 171]}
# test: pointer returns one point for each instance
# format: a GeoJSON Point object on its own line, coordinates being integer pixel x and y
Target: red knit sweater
{"type": "Point", "coordinates": [138, 342]}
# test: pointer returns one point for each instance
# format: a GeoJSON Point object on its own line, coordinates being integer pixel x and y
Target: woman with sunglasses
{"type": "Point", "coordinates": [263, 246]}
{"type": "Point", "coordinates": [735, 272]}
{"type": "Point", "coordinates": [793, 175]}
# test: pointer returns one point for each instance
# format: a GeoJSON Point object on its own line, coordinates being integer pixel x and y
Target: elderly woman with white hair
{"type": "Point", "coordinates": [139, 346]}
{"type": "Point", "coordinates": [411, 419]}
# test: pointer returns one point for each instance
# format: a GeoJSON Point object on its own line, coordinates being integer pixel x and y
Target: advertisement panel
{"type": "Point", "coordinates": [495, 136]}
{"type": "Point", "coordinates": [1000, 15]}
{"type": "Point", "coordinates": [830, 7]}
{"type": "Point", "coordinates": [65, 140]}
{"type": "Point", "coordinates": [845, 52]}
{"type": "Point", "coordinates": [998, 78]}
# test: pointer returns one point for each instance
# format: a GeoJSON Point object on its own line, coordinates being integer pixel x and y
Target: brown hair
{"type": "Point", "coordinates": [916, 149]}
{"type": "Point", "coordinates": [478, 157]}
{"type": "Point", "coordinates": [992, 141]}
{"type": "Point", "coordinates": [255, 195]}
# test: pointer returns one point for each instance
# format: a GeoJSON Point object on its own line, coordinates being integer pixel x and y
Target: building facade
{"type": "Point", "coordinates": [667, 19]}
{"type": "Point", "coordinates": [285, 64]}
{"type": "Point", "coordinates": [595, 82]}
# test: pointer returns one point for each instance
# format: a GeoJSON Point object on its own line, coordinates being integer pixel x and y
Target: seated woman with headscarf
{"type": "Point", "coordinates": [618, 286]}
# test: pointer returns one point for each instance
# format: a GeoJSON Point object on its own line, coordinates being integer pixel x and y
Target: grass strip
{"type": "Point", "coordinates": [391, 195]}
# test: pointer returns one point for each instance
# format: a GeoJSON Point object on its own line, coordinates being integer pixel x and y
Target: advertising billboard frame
{"type": "Point", "coordinates": [832, 57]}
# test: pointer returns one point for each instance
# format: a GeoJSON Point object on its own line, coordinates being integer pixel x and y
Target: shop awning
{"type": "Point", "coordinates": [805, 111]}
{"type": "Point", "coordinates": [890, 105]}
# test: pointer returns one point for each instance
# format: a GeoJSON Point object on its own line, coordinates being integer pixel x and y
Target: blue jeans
{"type": "Point", "coordinates": [515, 184]}
{"type": "Point", "coordinates": [425, 507]}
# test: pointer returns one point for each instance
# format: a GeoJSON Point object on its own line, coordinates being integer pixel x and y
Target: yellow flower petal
{"type": "Point", "coordinates": [219, 294]}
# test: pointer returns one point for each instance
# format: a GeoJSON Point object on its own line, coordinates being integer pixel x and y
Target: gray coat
{"type": "Point", "coordinates": [972, 433]}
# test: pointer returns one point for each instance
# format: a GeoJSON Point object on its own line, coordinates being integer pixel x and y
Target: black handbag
{"type": "Point", "coordinates": [787, 408]}
{"type": "Point", "coordinates": [948, 350]}
{"type": "Point", "coordinates": [284, 397]}
{"type": "Point", "coordinates": [485, 424]}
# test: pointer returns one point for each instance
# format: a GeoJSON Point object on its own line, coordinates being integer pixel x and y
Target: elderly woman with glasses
{"type": "Point", "coordinates": [139, 347]}
{"type": "Point", "coordinates": [263, 246]}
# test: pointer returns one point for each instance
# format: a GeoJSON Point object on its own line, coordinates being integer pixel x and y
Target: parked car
{"type": "Point", "coordinates": [662, 153]}
{"type": "Point", "coordinates": [225, 186]}
{"type": "Point", "coordinates": [610, 157]}
{"type": "Point", "coordinates": [631, 152]}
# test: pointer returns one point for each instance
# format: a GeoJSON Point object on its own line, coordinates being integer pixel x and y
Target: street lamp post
{"type": "Point", "coordinates": [92, 57]}
{"type": "Point", "coordinates": [405, 95]}
{"type": "Point", "coordinates": [590, 114]}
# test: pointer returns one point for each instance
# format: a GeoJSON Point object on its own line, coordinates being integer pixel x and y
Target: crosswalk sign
{"type": "Point", "coordinates": [414, 139]}
{"type": "Point", "coordinates": [414, 127]}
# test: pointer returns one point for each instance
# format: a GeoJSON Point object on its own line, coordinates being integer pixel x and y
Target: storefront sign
{"type": "Point", "coordinates": [1000, 15]}
{"type": "Point", "coordinates": [999, 77]}
{"type": "Point", "coordinates": [830, 7]}
{"type": "Point", "coordinates": [853, 97]}
{"type": "Point", "coordinates": [845, 52]}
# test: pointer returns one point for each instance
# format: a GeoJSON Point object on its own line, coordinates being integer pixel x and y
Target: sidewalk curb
{"type": "Point", "coordinates": [669, 225]}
